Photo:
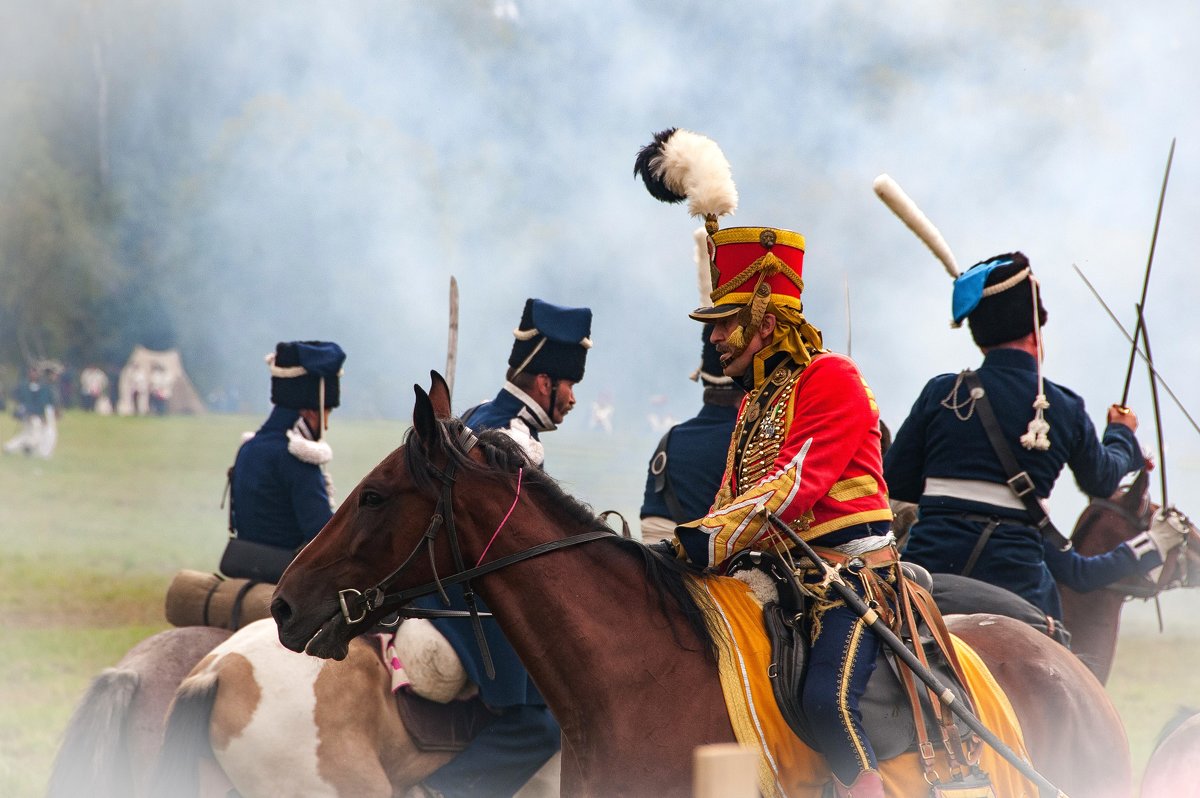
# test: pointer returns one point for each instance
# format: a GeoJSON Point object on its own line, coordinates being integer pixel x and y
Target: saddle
{"type": "Point", "coordinates": [436, 727]}
{"type": "Point", "coordinates": [893, 703]}
{"type": "Point", "coordinates": [954, 593]}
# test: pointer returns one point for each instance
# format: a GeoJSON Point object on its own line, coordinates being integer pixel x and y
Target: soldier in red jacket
{"type": "Point", "coordinates": [806, 446]}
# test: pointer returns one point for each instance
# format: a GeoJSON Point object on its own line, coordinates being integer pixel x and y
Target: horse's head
{"type": "Point", "coordinates": [1107, 523]}
{"type": "Point", "coordinates": [396, 529]}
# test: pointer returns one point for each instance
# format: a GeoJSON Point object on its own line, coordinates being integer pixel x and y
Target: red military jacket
{"type": "Point", "coordinates": [806, 448]}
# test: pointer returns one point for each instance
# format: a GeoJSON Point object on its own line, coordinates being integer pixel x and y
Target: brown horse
{"type": "Point", "coordinates": [1094, 618]}
{"type": "Point", "coordinates": [111, 742]}
{"type": "Point", "coordinates": [607, 628]}
{"type": "Point", "coordinates": [1174, 767]}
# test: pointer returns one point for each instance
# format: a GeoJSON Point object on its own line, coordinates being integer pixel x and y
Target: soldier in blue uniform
{"type": "Point", "coordinates": [970, 520]}
{"type": "Point", "coordinates": [685, 470]}
{"type": "Point", "coordinates": [37, 408]}
{"type": "Point", "coordinates": [279, 491]}
{"type": "Point", "coordinates": [546, 362]}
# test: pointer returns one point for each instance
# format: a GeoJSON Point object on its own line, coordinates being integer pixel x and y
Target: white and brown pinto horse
{"type": "Point", "coordinates": [607, 629]}
{"type": "Point", "coordinates": [280, 723]}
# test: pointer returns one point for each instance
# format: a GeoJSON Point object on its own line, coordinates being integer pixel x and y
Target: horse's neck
{"type": "Point", "coordinates": [589, 628]}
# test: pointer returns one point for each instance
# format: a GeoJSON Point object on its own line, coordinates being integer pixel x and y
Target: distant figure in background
{"type": "Point", "coordinates": [602, 413]}
{"type": "Point", "coordinates": [159, 386]}
{"type": "Point", "coordinates": [139, 390]}
{"type": "Point", "coordinates": [659, 421]}
{"type": "Point", "coordinates": [36, 408]}
{"type": "Point", "coordinates": [93, 388]}
{"type": "Point", "coordinates": [685, 470]}
{"type": "Point", "coordinates": [279, 491]}
{"type": "Point", "coordinates": [547, 360]}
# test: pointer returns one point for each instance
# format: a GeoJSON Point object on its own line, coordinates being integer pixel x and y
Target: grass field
{"type": "Point", "coordinates": [92, 537]}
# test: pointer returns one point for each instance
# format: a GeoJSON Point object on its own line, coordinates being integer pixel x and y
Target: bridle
{"type": "Point", "coordinates": [358, 603]}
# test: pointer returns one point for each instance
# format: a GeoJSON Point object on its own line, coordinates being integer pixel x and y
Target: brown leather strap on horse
{"type": "Point", "coordinates": [917, 606]}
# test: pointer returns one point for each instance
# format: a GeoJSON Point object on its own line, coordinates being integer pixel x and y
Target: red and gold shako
{"type": "Point", "coordinates": [752, 266]}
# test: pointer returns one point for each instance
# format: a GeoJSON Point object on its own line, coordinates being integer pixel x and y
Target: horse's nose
{"type": "Point", "coordinates": [281, 611]}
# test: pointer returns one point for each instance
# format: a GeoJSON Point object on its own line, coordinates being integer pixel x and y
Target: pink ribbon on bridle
{"type": "Point", "coordinates": [516, 498]}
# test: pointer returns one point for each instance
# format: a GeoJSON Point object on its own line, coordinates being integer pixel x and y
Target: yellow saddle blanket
{"type": "Point", "coordinates": [787, 768]}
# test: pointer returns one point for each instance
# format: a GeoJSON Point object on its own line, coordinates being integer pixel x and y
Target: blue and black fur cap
{"type": "Point", "coordinates": [995, 296]}
{"type": "Point", "coordinates": [298, 369]}
{"type": "Point", "coordinates": [551, 339]}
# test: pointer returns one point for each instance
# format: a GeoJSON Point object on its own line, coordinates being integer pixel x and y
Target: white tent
{"type": "Point", "coordinates": [148, 371]}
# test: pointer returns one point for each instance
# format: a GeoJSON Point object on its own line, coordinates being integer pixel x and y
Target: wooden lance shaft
{"type": "Point", "coordinates": [1162, 195]}
{"type": "Point", "coordinates": [944, 694]}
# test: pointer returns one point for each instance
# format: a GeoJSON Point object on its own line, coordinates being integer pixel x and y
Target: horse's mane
{"type": "Point", "coordinates": [503, 457]}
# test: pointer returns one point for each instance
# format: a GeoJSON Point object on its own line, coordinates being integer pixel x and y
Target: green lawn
{"type": "Point", "coordinates": [92, 537]}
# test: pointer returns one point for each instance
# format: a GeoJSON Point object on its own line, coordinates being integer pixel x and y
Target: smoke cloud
{"type": "Point", "coordinates": [285, 170]}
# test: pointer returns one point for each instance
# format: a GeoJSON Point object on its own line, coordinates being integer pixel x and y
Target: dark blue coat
{"type": "Point", "coordinates": [934, 442]}
{"type": "Point", "coordinates": [501, 411]}
{"type": "Point", "coordinates": [277, 499]}
{"type": "Point", "coordinates": [696, 453]}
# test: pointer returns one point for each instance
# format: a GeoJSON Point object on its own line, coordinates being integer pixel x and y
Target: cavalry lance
{"type": "Point", "coordinates": [872, 619]}
{"type": "Point", "coordinates": [1146, 278]}
{"type": "Point", "coordinates": [1137, 350]}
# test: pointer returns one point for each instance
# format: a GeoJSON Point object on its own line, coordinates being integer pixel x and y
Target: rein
{"type": "Point", "coordinates": [1144, 588]}
{"type": "Point", "coordinates": [358, 603]}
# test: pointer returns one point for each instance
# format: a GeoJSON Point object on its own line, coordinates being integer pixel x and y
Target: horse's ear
{"type": "Point", "coordinates": [425, 422]}
{"type": "Point", "coordinates": [439, 394]}
{"type": "Point", "coordinates": [1136, 495]}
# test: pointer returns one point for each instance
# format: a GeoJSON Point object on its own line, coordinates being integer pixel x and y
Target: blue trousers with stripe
{"type": "Point", "coordinates": [841, 660]}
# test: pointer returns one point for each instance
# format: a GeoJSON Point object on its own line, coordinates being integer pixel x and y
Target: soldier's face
{"type": "Point", "coordinates": [565, 400]}
{"type": "Point", "coordinates": [734, 362]}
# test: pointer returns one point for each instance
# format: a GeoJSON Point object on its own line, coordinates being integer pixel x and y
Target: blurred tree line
{"type": "Point", "coordinates": [80, 263]}
{"type": "Point", "coordinates": [164, 184]}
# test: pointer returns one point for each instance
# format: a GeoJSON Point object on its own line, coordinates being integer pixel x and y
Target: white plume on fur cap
{"type": "Point", "coordinates": [687, 165]}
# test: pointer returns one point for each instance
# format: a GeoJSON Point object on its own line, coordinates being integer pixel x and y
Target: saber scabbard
{"type": "Point", "coordinates": [892, 641]}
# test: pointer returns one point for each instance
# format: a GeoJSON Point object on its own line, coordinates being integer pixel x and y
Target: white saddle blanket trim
{"type": "Point", "coordinates": [761, 585]}
{"type": "Point", "coordinates": [996, 494]}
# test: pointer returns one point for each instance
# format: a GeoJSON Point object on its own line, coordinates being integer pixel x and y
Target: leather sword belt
{"type": "Point", "coordinates": [876, 558]}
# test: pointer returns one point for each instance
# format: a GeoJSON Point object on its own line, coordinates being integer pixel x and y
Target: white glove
{"type": "Point", "coordinates": [1168, 529]}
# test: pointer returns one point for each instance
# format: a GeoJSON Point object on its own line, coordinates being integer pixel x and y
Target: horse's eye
{"type": "Point", "coordinates": [369, 498]}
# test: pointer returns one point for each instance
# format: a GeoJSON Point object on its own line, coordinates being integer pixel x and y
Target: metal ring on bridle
{"type": "Point", "coordinates": [360, 605]}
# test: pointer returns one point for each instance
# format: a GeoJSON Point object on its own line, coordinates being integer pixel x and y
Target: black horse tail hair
{"type": "Point", "coordinates": [93, 758]}
{"type": "Point", "coordinates": [177, 772]}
